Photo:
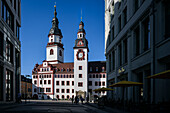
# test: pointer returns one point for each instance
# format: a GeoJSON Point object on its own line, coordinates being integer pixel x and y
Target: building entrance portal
{"type": "Point", "coordinates": [81, 94]}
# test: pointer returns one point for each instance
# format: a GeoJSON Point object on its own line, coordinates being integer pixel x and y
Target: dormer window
{"type": "Point", "coordinates": [96, 69]}
{"type": "Point", "coordinates": [102, 69]}
{"type": "Point", "coordinates": [51, 52]}
{"type": "Point", "coordinates": [90, 69]}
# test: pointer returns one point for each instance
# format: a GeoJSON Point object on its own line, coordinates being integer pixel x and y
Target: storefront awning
{"type": "Point", "coordinates": [126, 84]}
{"type": "Point", "coordinates": [103, 89]}
{"type": "Point", "coordinates": [162, 75]}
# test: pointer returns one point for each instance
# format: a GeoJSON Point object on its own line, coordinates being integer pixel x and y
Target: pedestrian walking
{"type": "Point", "coordinates": [81, 99]}
{"type": "Point", "coordinates": [72, 100]}
{"type": "Point", "coordinates": [76, 99]}
{"type": "Point", "coordinates": [19, 97]}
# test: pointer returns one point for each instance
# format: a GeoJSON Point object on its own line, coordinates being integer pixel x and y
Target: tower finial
{"type": "Point", "coordinates": [55, 13]}
{"type": "Point", "coordinates": [81, 14]}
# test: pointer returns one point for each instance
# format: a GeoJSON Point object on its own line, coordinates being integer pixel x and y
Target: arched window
{"type": "Point", "coordinates": [51, 52]}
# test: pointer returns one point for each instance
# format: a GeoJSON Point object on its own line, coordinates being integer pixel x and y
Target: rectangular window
{"type": "Point", "coordinates": [104, 76]}
{"type": "Point", "coordinates": [137, 41]}
{"type": "Point", "coordinates": [90, 83]}
{"type": "Point", "coordinates": [80, 75]}
{"type": "Point", "coordinates": [97, 76]}
{"type": "Point", "coordinates": [15, 4]}
{"type": "Point", "coordinates": [103, 83]}
{"type": "Point", "coordinates": [119, 23]}
{"type": "Point", "coordinates": [136, 5]}
{"type": "Point", "coordinates": [96, 83]}
{"type": "Point", "coordinates": [68, 83]}
{"type": "Point", "coordinates": [57, 83]}
{"type": "Point", "coordinates": [1, 43]}
{"type": "Point", "coordinates": [19, 8]}
{"type": "Point", "coordinates": [80, 84]}
{"type": "Point", "coordinates": [62, 90]}
{"type": "Point", "coordinates": [68, 90]}
{"type": "Point", "coordinates": [109, 63]}
{"type": "Point", "coordinates": [80, 67]}
{"type": "Point", "coordinates": [113, 60]}
{"type": "Point", "coordinates": [9, 51]}
{"type": "Point", "coordinates": [62, 83]}
{"type": "Point", "coordinates": [72, 90]}
{"type": "Point", "coordinates": [120, 54]}
{"type": "Point", "coordinates": [57, 91]}
{"type": "Point", "coordinates": [125, 50]}
{"type": "Point", "coordinates": [9, 85]}
{"type": "Point", "coordinates": [45, 82]}
{"type": "Point", "coordinates": [40, 81]}
{"type": "Point", "coordinates": [99, 83]}
{"type": "Point", "coordinates": [35, 82]}
{"type": "Point", "coordinates": [41, 89]}
{"type": "Point", "coordinates": [90, 76]}
{"type": "Point", "coordinates": [17, 29]}
{"type": "Point", "coordinates": [72, 83]}
{"type": "Point", "coordinates": [94, 76]}
{"type": "Point", "coordinates": [146, 35]}
{"type": "Point", "coordinates": [48, 89]}
{"type": "Point", "coordinates": [125, 16]}
{"type": "Point", "coordinates": [49, 81]}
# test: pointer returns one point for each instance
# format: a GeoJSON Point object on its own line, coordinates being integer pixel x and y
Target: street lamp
{"type": "Point", "coordinates": [26, 86]}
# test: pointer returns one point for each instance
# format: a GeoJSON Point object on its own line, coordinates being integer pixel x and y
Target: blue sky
{"type": "Point", "coordinates": [36, 17]}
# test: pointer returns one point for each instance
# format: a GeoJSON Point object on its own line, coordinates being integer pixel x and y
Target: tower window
{"type": "Point", "coordinates": [80, 84]}
{"type": "Point", "coordinates": [80, 35]}
{"type": "Point", "coordinates": [60, 53]}
{"type": "Point", "coordinates": [51, 40]}
{"type": "Point", "coordinates": [51, 52]}
{"type": "Point", "coordinates": [80, 67]}
{"type": "Point", "coordinates": [80, 75]}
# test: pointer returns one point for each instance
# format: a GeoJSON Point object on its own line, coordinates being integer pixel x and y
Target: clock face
{"type": "Point", "coordinates": [80, 54]}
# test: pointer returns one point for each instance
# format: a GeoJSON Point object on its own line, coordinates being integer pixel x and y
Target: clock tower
{"type": "Point", "coordinates": [54, 48]}
{"type": "Point", "coordinates": [81, 62]}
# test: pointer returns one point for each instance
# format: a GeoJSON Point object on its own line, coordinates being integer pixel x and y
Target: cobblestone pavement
{"type": "Point", "coordinates": [40, 106]}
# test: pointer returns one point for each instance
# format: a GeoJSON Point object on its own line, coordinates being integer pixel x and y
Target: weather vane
{"type": "Point", "coordinates": [55, 4]}
{"type": "Point", "coordinates": [81, 14]}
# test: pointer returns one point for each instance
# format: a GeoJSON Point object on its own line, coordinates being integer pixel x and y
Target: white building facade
{"type": "Point", "coordinates": [136, 42]}
{"type": "Point", "coordinates": [54, 79]}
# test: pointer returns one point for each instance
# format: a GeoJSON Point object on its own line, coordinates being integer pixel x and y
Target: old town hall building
{"type": "Point", "coordinates": [54, 79]}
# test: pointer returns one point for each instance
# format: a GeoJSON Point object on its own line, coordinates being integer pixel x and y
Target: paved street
{"type": "Point", "coordinates": [53, 106]}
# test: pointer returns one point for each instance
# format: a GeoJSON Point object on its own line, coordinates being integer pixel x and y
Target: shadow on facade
{"type": "Point", "coordinates": [39, 93]}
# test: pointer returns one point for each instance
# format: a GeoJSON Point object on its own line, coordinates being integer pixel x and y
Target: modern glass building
{"type": "Point", "coordinates": [10, 60]}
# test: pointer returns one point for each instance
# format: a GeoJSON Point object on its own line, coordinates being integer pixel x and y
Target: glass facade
{"type": "Point", "coordinates": [9, 86]}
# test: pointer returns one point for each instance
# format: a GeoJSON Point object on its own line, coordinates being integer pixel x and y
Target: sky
{"type": "Point", "coordinates": [36, 18]}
